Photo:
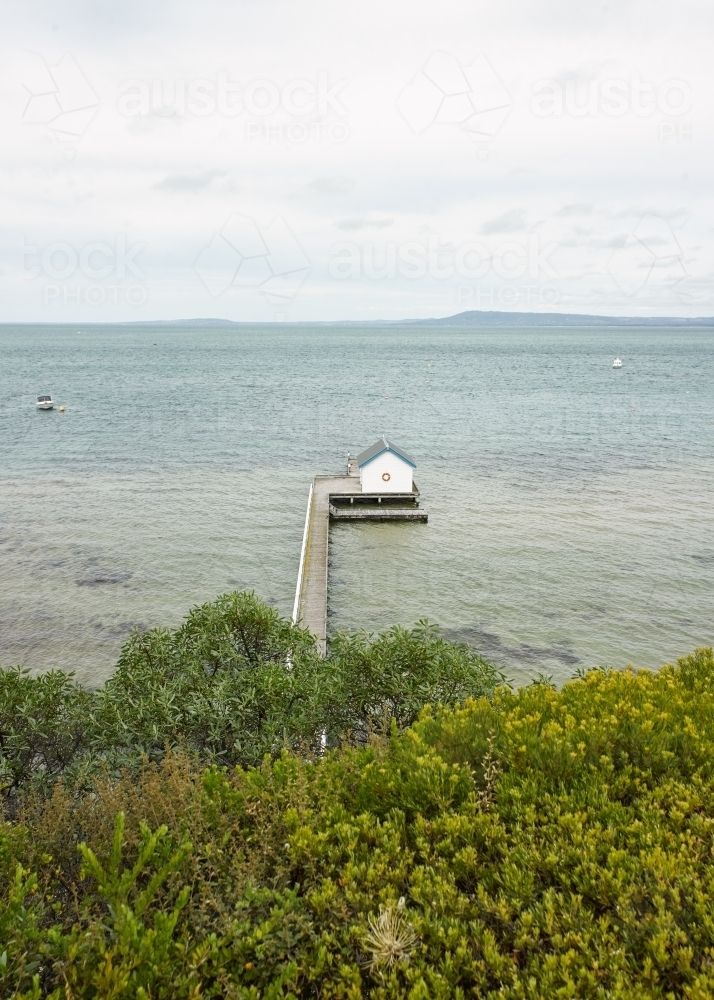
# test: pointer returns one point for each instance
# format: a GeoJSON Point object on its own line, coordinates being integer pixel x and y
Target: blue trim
{"type": "Point", "coordinates": [393, 451]}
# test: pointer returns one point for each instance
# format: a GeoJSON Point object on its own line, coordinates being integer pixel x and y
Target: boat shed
{"type": "Point", "coordinates": [385, 468]}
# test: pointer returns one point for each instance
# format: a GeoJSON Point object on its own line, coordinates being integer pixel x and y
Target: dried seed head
{"type": "Point", "coordinates": [391, 937]}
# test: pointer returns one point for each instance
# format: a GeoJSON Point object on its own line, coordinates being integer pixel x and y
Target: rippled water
{"type": "Point", "coordinates": [571, 506]}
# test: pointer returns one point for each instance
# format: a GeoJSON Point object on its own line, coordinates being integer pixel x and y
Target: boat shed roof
{"type": "Point", "coordinates": [378, 448]}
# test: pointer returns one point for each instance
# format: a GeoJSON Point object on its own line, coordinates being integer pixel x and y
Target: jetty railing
{"type": "Point", "coordinates": [303, 550]}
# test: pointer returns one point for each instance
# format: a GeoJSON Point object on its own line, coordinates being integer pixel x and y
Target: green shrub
{"type": "Point", "coordinates": [233, 683]}
{"type": "Point", "coordinates": [393, 675]}
{"type": "Point", "coordinates": [216, 692]}
{"type": "Point", "coordinates": [540, 844]}
{"type": "Point", "coordinates": [43, 726]}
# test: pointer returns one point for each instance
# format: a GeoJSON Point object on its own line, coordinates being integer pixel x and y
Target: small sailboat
{"type": "Point", "coordinates": [44, 403]}
{"type": "Point", "coordinates": [617, 363]}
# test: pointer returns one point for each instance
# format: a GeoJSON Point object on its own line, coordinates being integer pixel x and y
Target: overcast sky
{"type": "Point", "coordinates": [324, 160]}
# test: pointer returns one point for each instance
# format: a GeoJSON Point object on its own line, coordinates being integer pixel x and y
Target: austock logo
{"type": "Point", "coordinates": [442, 261]}
{"type": "Point", "coordinates": [650, 256]}
{"type": "Point", "coordinates": [61, 98]}
{"type": "Point", "coordinates": [267, 259]}
{"type": "Point", "coordinates": [294, 112]}
{"type": "Point", "coordinates": [443, 92]}
{"type": "Point", "coordinates": [612, 97]}
{"type": "Point", "coordinates": [94, 274]}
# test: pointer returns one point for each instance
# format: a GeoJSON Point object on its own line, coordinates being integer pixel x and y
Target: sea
{"type": "Point", "coordinates": [571, 505]}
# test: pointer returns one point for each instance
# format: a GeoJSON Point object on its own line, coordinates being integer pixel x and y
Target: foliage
{"type": "Point", "coordinates": [220, 685]}
{"type": "Point", "coordinates": [128, 955]}
{"type": "Point", "coordinates": [539, 844]}
{"type": "Point", "coordinates": [393, 675]}
{"type": "Point", "coordinates": [43, 725]}
{"type": "Point", "coordinates": [233, 683]}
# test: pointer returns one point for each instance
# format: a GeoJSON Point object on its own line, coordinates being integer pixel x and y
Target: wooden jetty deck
{"type": "Point", "coordinates": [382, 513]}
{"type": "Point", "coordinates": [338, 498]}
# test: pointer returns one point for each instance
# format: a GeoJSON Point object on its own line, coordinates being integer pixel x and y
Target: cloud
{"type": "Point", "coordinates": [593, 240]}
{"type": "Point", "coordinates": [350, 225]}
{"type": "Point", "coordinates": [189, 182]}
{"type": "Point", "coordinates": [580, 208]}
{"type": "Point", "coordinates": [509, 222]}
{"type": "Point", "coordinates": [593, 70]}
{"type": "Point", "coordinates": [330, 185]}
{"type": "Point", "coordinates": [349, 176]}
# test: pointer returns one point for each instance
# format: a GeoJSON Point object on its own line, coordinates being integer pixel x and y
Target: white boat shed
{"type": "Point", "coordinates": [384, 468]}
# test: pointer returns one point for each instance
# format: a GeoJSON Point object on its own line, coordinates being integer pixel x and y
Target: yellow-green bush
{"type": "Point", "coordinates": [541, 844]}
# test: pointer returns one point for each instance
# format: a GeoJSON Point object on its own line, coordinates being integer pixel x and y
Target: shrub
{"type": "Point", "coordinates": [43, 726]}
{"type": "Point", "coordinates": [221, 692]}
{"type": "Point", "coordinates": [233, 683]}
{"type": "Point", "coordinates": [393, 675]}
{"type": "Point", "coordinates": [540, 844]}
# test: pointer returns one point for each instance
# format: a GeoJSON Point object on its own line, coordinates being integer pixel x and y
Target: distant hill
{"type": "Point", "coordinates": [474, 317]}
{"type": "Point", "coordinates": [211, 322]}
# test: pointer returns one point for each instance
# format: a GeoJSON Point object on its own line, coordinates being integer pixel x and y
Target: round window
{"type": "Point", "coordinates": [386, 477]}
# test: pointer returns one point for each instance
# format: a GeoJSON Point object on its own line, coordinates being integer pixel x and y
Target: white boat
{"type": "Point", "coordinates": [617, 363]}
{"type": "Point", "coordinates": [44, 403]}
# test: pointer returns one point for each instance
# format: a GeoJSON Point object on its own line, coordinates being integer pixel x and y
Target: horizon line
{"type": "Point", "coordinates": [462, 318]}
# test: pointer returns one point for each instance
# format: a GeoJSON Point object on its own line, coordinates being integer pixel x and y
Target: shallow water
{"type": "Point", "coordinates": [571, 506]}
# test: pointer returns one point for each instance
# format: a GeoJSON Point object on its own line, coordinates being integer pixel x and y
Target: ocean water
{"type": "Point", "coordinates": [571, 506]}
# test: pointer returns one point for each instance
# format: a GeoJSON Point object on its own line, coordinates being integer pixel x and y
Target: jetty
{"type": "Point", "coordinates": [340, 498]}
